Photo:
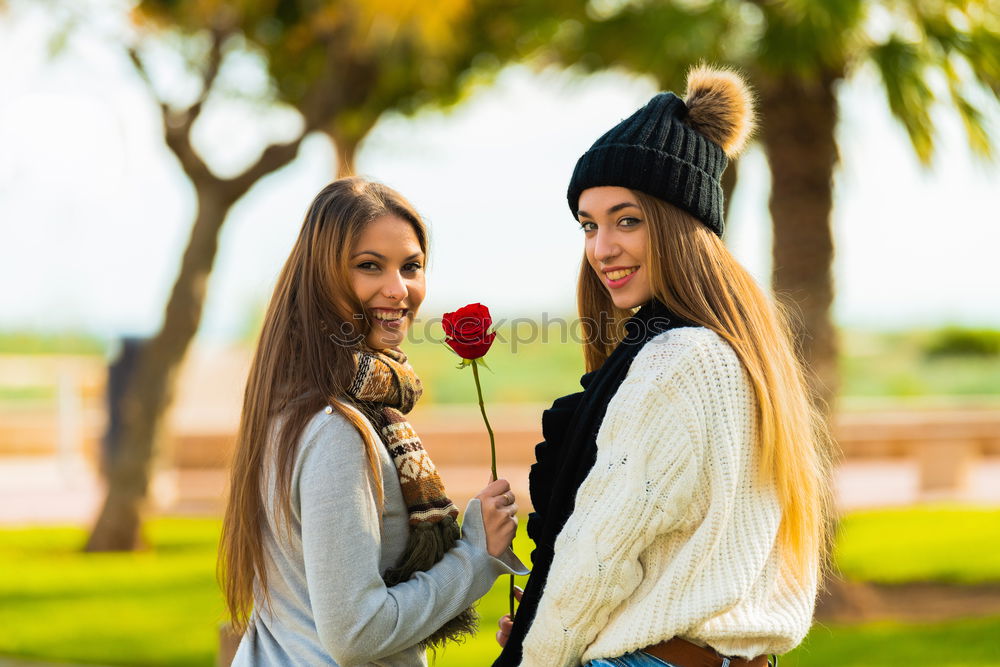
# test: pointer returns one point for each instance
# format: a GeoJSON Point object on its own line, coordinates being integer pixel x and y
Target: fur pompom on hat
{"type": "Point", "coordinates": [675, 149]}
{"type": "Point", "coordinates": [720, 106]}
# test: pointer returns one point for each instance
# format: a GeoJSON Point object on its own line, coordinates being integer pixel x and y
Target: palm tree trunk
{"type": "Point", "coordinates": [728, 187]}
{"type": "Point", "coordinates": [798, 120]}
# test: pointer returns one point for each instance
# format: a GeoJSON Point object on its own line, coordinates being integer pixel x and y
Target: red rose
{"type": "Point", "coordinates": [467, 331]}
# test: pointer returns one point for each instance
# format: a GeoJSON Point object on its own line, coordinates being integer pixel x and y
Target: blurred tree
{"type": "Point", "coordinates": [796, 52]}
{"type": "Point", "coordinates": [341, 64]}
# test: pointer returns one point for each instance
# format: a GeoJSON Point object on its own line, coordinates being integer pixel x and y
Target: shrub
{"type": "Point", "coordinates": [961, 342]}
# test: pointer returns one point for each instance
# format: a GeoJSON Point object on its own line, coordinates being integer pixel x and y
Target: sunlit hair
{"type": "Point", "coordinates": [693, 273]}
{"type": "Point", "coordinates": [302, 363]}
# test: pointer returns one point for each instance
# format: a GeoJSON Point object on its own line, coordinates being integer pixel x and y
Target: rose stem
{"type": "Point", "coordinates": [482, 408]}
{"type": "Point", "coordinates": [493, 456]}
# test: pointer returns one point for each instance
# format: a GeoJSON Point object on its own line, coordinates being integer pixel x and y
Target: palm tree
{"type": "Point", "coordinates": [796, 52]}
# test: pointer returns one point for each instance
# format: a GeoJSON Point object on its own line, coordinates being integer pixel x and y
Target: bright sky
{"type": "Point", "coordinates": [94, 211]}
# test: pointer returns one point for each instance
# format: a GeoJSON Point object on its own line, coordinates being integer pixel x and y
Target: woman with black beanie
{"type": "Point", "coordinates": [681, 498]}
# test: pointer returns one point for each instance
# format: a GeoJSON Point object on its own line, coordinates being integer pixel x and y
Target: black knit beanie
{"type": "Point", "coordinates": [672, 149]}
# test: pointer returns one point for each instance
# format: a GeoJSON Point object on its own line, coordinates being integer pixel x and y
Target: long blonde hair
{"type": "Point", "coordinates": [303, 362]}
{"type": "Point", "coordinates": [694, 274]}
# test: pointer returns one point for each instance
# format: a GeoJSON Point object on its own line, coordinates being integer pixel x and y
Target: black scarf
{"type": "Point", "coordinates": [568, 453]}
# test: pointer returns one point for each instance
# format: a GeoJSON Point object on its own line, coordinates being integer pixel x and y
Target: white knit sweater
{"type": "Point", "coordinates": [673, 533]}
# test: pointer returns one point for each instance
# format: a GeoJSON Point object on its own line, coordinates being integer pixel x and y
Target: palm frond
{"type": "Point", "coordinates": [982, 51]}
{"type": "Point", "coordinates": [803, 37]}
{"type": "Point", "coordinates": [975, 126]}
{"type": "Point", "coordinates": [903, 69]}
{"type": "Point", "coordinates": [961, 38]}
{"type": "Point", "coordinates": [659, 38]}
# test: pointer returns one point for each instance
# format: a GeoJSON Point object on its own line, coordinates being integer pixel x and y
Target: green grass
{"type": "Point", "coordinates": [159, 607]}
{"type": "Point", "coordinates": [27, 394]}
{"type": "Point", "coordinates": [162, 606]}
{"type": "Point", "coordinates": [945, 544]}
{"type": "Point", "coordinates": [960, 643]}
{"type": "Point", "coordinates": [27, 342]}
{"type": "Point", "coordinates": [877, 364]}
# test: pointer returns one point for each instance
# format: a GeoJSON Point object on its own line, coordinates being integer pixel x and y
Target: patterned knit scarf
{"type": "Point", "coordinates": [385, 388]}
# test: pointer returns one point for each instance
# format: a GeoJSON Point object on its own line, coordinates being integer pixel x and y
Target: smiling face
{"type": "Point", "coordinates": [616, 241]}
{"type": "Point", "coordinates": [387, 276]}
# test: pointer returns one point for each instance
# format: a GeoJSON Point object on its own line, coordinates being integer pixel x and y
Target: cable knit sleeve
{"type": "Point", "coordinates": [641, 486]}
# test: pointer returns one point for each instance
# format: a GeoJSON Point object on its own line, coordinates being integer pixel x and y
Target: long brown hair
{"type": "Point", "coordinates": [302, 363]}
{"type": "Point", "coordinates": [694, 274]}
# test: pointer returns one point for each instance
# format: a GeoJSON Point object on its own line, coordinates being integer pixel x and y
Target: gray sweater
{"type": "Point", "coordinates": [329, 605]}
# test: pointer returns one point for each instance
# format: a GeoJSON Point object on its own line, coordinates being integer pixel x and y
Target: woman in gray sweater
{"type": "Point", "coordinates": [339, 545]}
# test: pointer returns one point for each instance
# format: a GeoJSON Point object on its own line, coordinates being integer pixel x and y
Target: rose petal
{"type": "Point", "coordinates": [472, 350]}
{"type": "Point", "coordinates": [469, 324]}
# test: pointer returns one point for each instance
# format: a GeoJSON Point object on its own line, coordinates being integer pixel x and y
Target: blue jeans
{"type": "Point", "coordinates": [637, 659]}
{"type": "Point", "coordinates": [640, 659]}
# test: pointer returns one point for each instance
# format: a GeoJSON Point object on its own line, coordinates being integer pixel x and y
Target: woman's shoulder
{"type": "Point", "coordinates": [331, 456]}
{"type": "Point", "coordinates": [330, 433]}
{"type": "Point", "coordinates": [696, 354]}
